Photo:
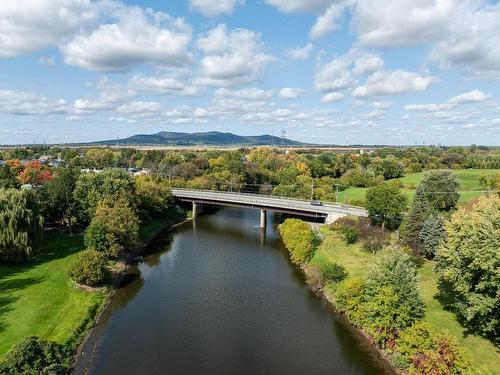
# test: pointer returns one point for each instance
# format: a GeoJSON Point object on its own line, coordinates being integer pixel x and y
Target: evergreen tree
{"type": "Point", "coordinates": [414, 221]}
{"type": "Point", "coordinates": [21, 224]}
{"type": "Point", "coordinates": [432, 235]}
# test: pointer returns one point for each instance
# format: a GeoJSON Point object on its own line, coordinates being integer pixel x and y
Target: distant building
{"type": "Point", "coordinates": [44, 159]}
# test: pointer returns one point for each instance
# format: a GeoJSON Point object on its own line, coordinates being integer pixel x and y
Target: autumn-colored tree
{"type": "Point", "coordinates": [34, 173]}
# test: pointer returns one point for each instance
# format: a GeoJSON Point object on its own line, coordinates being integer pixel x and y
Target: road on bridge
{"type": "Point", "coordinates": [295, 206]}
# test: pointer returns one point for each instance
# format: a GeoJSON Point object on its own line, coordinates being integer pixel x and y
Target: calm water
{"type": "Point", "coordinates": [220, 297]}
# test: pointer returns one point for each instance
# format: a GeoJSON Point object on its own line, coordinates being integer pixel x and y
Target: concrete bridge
{"type": "Point", "coordinates": [329, 212]}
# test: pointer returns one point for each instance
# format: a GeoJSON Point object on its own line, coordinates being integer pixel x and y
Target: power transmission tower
{"type": "Point", "coordinates": [283, 138]}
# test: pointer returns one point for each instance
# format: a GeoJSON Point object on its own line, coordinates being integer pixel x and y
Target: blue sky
{"type": "Point", "coordinates": [326, 71]}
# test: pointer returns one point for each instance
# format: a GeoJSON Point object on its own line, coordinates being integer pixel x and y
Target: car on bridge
{"type": "Point", "coordinates": [316, 203]}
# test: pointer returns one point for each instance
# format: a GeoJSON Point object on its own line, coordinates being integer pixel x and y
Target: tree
{"type": "Point", "coordinates": [33, 356]}
{"type": "Point", "coordinates": [432, 235]}
{"type": "Point", "coordinates": [392, 168]}
{"type": "Point", "coordinates": [414, 221]}
{"type": "Point", "coordinates": [8, 178]}
{"type": "Point", "coordinates": [154, 195]}
{"type": "Point", "coordinates": [394, 269]}
{"type": "Point", "coordinates": [441, 189]}
{"type": "Point", "coordinates": [89, 268]}
{"type": "Point", "coordinates": [21, 225]}
{"type": "Point", "coordinates": [385, 204]}
{"type": "Point", "coordinates": [114, 228]}
{"type": "Point", "coordinates": [60, 194]}
{"type": "Point", "coordinates": [34, 173]}
{"type": "Point", "coordinates": [91, 188]}
{"type": "Point", "coordinates": [469, 262]}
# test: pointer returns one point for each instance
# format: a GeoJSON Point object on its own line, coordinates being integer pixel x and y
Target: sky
{"type": "Point", "coordinates": [396, 72]}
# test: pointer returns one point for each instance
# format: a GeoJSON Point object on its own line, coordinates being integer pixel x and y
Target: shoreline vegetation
{"type": "Point", "coordinates": [67, 334]}
{"type": "Point", "coordinates": [317, 251]}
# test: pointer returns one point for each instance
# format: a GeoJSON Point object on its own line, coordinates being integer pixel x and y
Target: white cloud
{"type": "Point", "coordinates": [397, 23]}
{"type": "Point", "coordinates": [393, 83]}
{"type": "Point", "coordinates": [334, 75]}
{"type": "Point", "coordinates": [33, 25]}
{"type": "Point", "coordinates": [163, 85]}
{"type": "Point", "coordinates": [231, 57]}
{"type": "Point", "coordinates": [140, 36]}
{"type": "Point", "coordinates": [429, 107]}
{"type": "Point", "coordinates": [367, 63]}
{"type": "Point", "coordinates": [246, 94]}
{"type": "Point", "coordinates": [213, 8]}
{"type": "Point", "coordinates": [472, 44]}
{"type": "Point", "coordinates": [27, 103]}
{"type": "Point", "coordinates": [47, 61]}
{"type": "Point", "coordinates": [470, 97]}
{"type": "Point", "coordinates": [327, 22]}
{"type": "Point", "coordinates": [111, 95]}
{"type": "Point", "coordinates": [332, 97]}
{"type": "Point", "coordinates": [139, 108]}
{"type": "Point", "coordinates": [289, 6]}
{"type": "Point", "coordinates": [381, 104]}
{"type": "Point", "coordinates": [300, 53]}
{"type": "Point", "coordinates": [374, 114]}
{"type": "Point", "coordinates": [290, 93]}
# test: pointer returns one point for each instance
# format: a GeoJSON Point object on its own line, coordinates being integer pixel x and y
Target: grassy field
{"type": "Point", "coordinates": [469, 186]}
{"type": "Point", "coordinates": [485, 357]}
{"type": "Point", "coordinates": [38, 298]}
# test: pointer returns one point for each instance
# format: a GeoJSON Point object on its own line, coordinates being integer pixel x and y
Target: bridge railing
{"type": "Point", "coordinates": [253, 195]}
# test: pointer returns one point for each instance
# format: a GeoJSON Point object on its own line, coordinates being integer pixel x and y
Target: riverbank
{"type": "Point", "coordinates": [483, 355]}
{"type": "Point", "coordinates": [38, 298]}
{"type": "Point", "coordinates": [147, 235]}
{"type": "Point", "coordinates": [302, 243]}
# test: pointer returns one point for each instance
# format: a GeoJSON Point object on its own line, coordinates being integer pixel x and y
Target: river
{"type": "Point", "coordinates": [219, 296]}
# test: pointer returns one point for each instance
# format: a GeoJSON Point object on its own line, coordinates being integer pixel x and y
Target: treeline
{"type": "Point", "coordinates": [265, 169]}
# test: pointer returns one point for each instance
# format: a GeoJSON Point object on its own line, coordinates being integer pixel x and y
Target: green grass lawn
{"type": "Point", "coordinates": [485, 357]}
{"type": "Point", "coordinates": [469, 186]}
{"type": "Point", "coordinates": [38, 299]}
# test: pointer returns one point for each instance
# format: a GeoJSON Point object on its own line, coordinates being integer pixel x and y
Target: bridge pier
{"type": "Point", "coordinates": [263, 218]}
{"type": "Point", "coordinates": [196, 210]}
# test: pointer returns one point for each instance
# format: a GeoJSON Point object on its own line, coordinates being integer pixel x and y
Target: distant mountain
{"type": "Point", "coordinates": [200, 139]}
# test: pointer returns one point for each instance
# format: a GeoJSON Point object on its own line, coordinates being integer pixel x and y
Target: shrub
{"type": "Point", "coordinates": [89, 268]}
{"type": "Point", "coordinates": [300, 240]}
{"type": "Point", "coordinates": [33, 356]}
{"type": "Point", "coordinates": [333, 272]}
{"type": "Point", "coordinates": [314, 278]}
{"type": "Point", "coordinates": [445, 357]}
{"type": "Point", "coordinates": [376, 242]}
{"type": "Point", "coordinates": [350, 235]}
{"type": "Point", "coordinates": [349, 297]}
{"type": "Point", "coordinates": [414, 340]}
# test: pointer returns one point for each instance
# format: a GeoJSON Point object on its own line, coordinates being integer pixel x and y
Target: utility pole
{"type": "Point", "coordinates": [312, 190]}
{"type": "Point", "coordinates": [337, 193]}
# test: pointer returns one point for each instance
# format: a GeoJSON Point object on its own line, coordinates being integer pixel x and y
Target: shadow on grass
{"type": "Point", "coordinates": [7, 288]}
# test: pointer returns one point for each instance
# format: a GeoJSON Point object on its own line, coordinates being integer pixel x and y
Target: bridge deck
{"type": "Point", "coordinates": [267, 202]}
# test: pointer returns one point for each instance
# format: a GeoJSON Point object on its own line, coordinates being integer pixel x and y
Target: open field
{"type": "Point", "coordinates": [485, 357]}
{"type": "Point", "coordinates": [38, 299]}
{"type": "Point", "coordinates": [469, 186]}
